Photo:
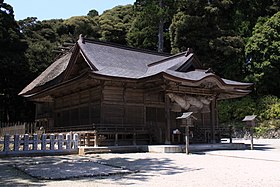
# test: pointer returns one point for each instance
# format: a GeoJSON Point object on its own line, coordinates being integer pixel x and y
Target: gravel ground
{"type": "Point", "coordinates": [259, 167]}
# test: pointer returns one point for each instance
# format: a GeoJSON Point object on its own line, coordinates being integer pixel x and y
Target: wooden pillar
{"type": "Point", "coordinates": [167, 120]}
{"type": "Point", "coordinates": [101, 102]}
{"type": "Point", "coordinates": [187, 138]}
{"type": "Point", "coordinates": [134, 138]}
{"type": "Point", "coordinates": [213, 120]}
{"type": "Point", "coordinates": [230, 134]}
{"type": "Point", "coordinates": [89, 106]}
{"type": "Point", "coordinates": [116, 139]}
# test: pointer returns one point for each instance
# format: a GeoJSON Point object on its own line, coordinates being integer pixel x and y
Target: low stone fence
{"type": "Point", "coordinates": [44, 144]}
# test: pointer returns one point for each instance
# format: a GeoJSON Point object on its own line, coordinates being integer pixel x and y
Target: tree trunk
{"type": "Point", "coordinates": [160, 30]}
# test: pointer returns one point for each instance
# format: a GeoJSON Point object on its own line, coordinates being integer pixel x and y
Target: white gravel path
{"type": "Point", "coordinates": [260, 167]}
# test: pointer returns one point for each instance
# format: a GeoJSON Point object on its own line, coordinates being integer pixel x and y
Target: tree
{"type": "Point", "coordinates": [86, 25]}
{"type": "Point", "coordinates": [93, 13]}
{"type": "Point", "coordinates": [42, 38]}
{"type": "Point", "coordinates": [14, 69]}
{"type": "Point", "coordinates": [150, 28]}
{"type": "Point", "coordinates": [115, 23]}
{"type": "Point", "coordinates": [207, 28]}
{"type": "Point", "coordinates": [248, 12]}
{"type": "Point", "coordinates": [262, 50]}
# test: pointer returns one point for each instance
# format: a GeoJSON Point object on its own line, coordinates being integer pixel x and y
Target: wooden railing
{"type": "Point", "coordinates": [107, 134]}
{"type": "Point", "coordinates": [125, 128]}
{"type": "Point", "coordinates": [38, 144]}
{"type": "Point", "coordinates": [13, 128]}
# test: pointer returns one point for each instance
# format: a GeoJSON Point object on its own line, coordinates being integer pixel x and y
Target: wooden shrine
{"type": "Point", "coordinates": [117, 95]}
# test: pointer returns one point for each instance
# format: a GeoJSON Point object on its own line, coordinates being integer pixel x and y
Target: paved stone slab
{"type": "Point", "coordinates": [70, 169]}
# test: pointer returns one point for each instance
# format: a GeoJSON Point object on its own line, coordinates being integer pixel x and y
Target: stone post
{"type": "Point", "coordinates": [6, 143]}
{"type": "Point", "coordinates": [96, 139]}
{"type": "Point", "coordinates": [44, 142]}
{"type": "Point", "coordinates": [52, 137]}
{"type": "Point", "coordinates": [16, 142]}
{"type": "Point", "coordinates": [35, 141]}
{"type": "Point", "coordinates": [60, 141]}
{"type": "Point", "coordinates": [26, 142]}
{"type": "Point", "coordinates": [76, 140]}
{"type": "Point", "coordinates": [68, 141]}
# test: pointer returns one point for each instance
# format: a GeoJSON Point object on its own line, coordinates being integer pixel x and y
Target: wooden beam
{"type": "Point", "coordinates": [213, 119]}
{"type": "Point", "coordinates": [101, 102]}
{"type": "Point", "coordinates": [167, 120]}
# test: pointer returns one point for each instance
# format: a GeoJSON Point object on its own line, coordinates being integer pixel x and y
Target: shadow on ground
{"type": "Point", "coordinates": [13, 177]}
{"type": "Point", "coordinates": [152, 165]}
{"type": "Point", "coordinates": [260, 147]}
{"type": "Point", "coordinates": [142, 168]}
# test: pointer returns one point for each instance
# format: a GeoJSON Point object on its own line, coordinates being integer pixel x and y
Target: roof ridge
{"type": "Point", "coordinates": [165, 59]}
{"type": "Point", "coordinates": [125, 47]}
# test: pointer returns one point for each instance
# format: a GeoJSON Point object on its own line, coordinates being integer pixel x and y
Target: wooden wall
{"type": "Point", "coordinates": [80, 108]}
{"type": "Point", "coordinates": [121, 105]}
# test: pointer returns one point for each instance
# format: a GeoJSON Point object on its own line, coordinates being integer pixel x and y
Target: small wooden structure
{"type": "Point", "coordinates": [117, 95]}
{"type": "Point", "coordinates": [251, 122]}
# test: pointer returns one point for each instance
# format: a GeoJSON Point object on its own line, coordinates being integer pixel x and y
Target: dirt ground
{"type": "Point", "coordinates": [259, 167]}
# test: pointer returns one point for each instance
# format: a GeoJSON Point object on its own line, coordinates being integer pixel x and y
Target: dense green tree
{"type": "Point", "coordinates": [150, 28]}
{"type": "Point", "coordinates": [42, 38]}
{"type": "Point", "coordinates": [263, 51]}
{"type": "Point", "coordinates": [115, 23]}
{"type": "Point", "coordinates": [218, 31]}
{"type": "Point", "coordinates": [86, 25]}
{"type": "Point", "coordinates": [248, 12]}
{"type": "Point", "coordinates": [236, 110]}
{"type": "Point", "coordinates": [14, 69]}
{"type": "Point", "coordinates": [207, 28]}
{"type": "Point", "coordinates": [93, 13]}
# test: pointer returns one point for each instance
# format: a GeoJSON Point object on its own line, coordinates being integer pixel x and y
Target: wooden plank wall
{"type": "Point", "coordinates": [80, 108]}
{"type": "Point", "coordinates": [123, 105]}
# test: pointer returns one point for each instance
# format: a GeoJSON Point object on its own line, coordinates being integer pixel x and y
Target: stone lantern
{"type": "Point", "coordinates": [251, 122]}
{"type": "Point", "coordinates": [187, 121]}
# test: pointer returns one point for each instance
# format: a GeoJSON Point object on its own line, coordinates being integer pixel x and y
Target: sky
{"type": "Point", "coordinates": [56, 9]}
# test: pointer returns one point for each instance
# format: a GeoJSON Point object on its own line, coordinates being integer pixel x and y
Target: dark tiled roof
{"type": "Point", "coordinates": [103, 55]}
{"type": "Point", "coordinates": [167, 63]}
{"type": "Point", "coordinates": [125, 62]}
{"type": "Point", "coordinates": [191, 75]}
{"type": "Point", "coordinates": [120, 72]}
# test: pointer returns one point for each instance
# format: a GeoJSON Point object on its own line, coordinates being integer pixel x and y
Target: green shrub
{"type": "Point", "coordinates": [267, 108]}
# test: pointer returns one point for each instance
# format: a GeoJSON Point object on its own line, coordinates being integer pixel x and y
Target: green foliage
{"type": "Point", "coordinates": [218, 31]}
{"type": "Point", "coordinates": [210, 31]}
{"type": "Point", "coordinates": [267, 128]}
{"type": "Point", "coordinates": [152, 21]}
{"type": "Point", "coordinates": [115, 23]}
{"type": "Point", "coordinates": [267, 109]}
{"type": "Point", "coordinates": [42, 39]}
{"type": "Point", "coordinates": [263, 48]}
{"type": "Point", "coordinates": [236, 110]}
{"type": "Point", "coordinates": [86, 25]}
{"type": "Point", "coordinates": [93, 13]}
{"type": "Point", "coordinates": [14, 67]}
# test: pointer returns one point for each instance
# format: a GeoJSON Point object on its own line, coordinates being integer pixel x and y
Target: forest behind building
{"type": "Point", "coordinates": [238, 39]}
